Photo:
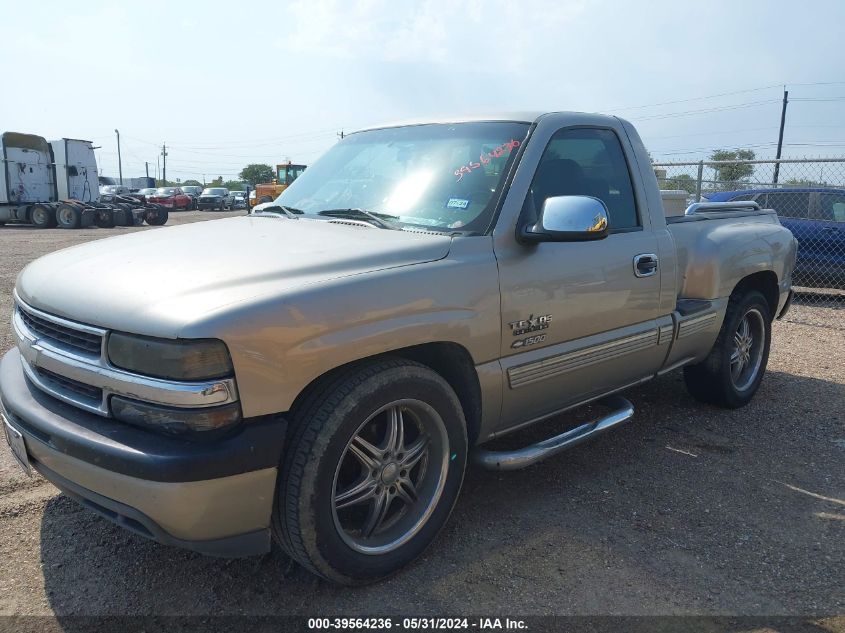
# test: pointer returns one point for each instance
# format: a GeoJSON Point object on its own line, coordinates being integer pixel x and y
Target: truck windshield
{"type": "Point", "coordinates": [440, 176]}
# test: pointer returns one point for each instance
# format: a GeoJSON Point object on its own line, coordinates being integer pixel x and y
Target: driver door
{"type": "Point", "coordinates": [578, 318]}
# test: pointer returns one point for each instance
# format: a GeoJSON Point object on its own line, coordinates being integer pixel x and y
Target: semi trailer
{"type": "Point", "coordinates": [49, 184]}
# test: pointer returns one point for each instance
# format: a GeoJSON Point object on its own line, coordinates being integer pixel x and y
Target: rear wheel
{"type": "Point", "coordinates": [372, 471]}
{"type": "Point", "coordinates": [68, 216]}
{"type": "Point", "coordinates": [105, 220]}
{"type": "Point", "coordinates": [124, 216]}
{"type": "Point", "coordinates": [731, 374]}
{"type": "Point", "coordinates": [42, 216]}
{"type": "Point", "coordinates": [156, 217]}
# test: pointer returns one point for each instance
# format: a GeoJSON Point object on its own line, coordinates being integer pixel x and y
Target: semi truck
{"type": "Point", "coordinates": [49, 184]}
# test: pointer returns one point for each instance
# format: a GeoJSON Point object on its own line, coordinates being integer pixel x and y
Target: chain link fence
{"type": "Point", "coordinates": [809, 198]}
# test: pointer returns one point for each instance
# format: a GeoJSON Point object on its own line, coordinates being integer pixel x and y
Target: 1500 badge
{"type": "Point", "coordinates": [525, 342]}
{"type": "Point", "coordinates": [531, 324]}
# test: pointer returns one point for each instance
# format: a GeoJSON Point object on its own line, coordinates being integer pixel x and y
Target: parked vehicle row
{"type": "Point", "coordinates": [184, 198]}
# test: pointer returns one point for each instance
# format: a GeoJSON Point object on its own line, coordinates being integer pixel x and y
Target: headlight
{"type": "Point", "coordinates": [174, 420]}
{"type": "Point", "coordinates": [198, 359]}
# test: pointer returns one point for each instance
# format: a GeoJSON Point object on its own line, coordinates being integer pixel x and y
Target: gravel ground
{"type": "Point", "coordinates": [687, 510]}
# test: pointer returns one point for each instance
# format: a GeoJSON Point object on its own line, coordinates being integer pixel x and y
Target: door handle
{"type": "Point", "coordinates": [645, 265]}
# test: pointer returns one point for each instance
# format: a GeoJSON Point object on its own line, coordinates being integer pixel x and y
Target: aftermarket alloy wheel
{"type": "Point", "coordinates": [731, 374]}
{"type": "Point", "coordinates": [372, 470]}
{"type": "Point", "coordinates": [390, 476]}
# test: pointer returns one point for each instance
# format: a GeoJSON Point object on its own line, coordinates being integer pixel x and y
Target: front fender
{"type": "Point", "coordinates": [280, 345]}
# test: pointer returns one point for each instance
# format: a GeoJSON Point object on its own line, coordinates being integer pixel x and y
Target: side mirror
{"type": "Point", "coordinates": [568, 219]}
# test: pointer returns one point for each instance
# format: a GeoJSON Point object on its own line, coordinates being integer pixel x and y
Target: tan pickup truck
{"type": "Point", "coordinates": [322, 371]}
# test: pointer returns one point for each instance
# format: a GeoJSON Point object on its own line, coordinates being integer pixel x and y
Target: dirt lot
{"type": "Point", "coordinates": [687, 510]}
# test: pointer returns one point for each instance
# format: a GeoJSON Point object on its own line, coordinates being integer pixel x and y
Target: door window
{"type": "Point", "coordinates": [831, 207]}
{"type": "Point", "coordinates": [790, 204]}
{"type": "Point", "coordinates": [587, 162]}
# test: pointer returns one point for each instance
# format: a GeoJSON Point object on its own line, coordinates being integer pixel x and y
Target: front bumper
{"type": "Point", "coordinates": [209, 203]}
{"type": "Point", "coordinates": [214, 497]}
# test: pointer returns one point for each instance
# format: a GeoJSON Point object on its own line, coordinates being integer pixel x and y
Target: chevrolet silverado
{"type": "Point", "coordinates": [320, 373]}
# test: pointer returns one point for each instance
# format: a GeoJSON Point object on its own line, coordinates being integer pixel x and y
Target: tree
{"type": "Point", "coordinates": [731, 175]}
{"type": "Point", "coordinates": [192, 183]}
{"type": "Point", "coordinates": [805, 182]}
{"type": "Point", "coordinates": [234, 185]}
{"type": "Point", "coordinates": [681, 181]}
{"type": "Point", "coordinates": [217, 182]}
{"type": "Point", "coordinates": [257, 173]}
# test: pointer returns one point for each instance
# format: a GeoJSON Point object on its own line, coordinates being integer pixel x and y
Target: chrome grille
{"type": "Point", "coordinates": [76, 339]}
{"type": "Point", "coordinates": [67, 360]}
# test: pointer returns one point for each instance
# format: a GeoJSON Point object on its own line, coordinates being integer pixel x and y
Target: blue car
{"type": "Point", "coordinates": [816, 217]}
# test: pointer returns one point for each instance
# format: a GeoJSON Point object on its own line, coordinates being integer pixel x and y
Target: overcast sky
{"type": "Point", "coordinates": [229, 83]}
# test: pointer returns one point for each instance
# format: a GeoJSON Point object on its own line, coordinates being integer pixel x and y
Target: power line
{"type": "Point", "coordinates": [674, 115]}
{"type": "Point", "coordinates": [715, 96]}
{"type": "Point", "coordinates": [725, 94]}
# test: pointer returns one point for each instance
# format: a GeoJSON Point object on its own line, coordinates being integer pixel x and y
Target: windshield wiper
{"type": "Point", "coordinates": [381, 220]}
{"type": "Point", "coordinates": [288, 212]}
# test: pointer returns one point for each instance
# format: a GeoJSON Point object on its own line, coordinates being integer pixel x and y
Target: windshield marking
{"type": "Point", "coordinates": [485, 158]}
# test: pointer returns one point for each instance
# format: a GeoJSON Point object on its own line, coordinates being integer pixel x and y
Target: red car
{"type": "Point", "coordinates": [171, 197]}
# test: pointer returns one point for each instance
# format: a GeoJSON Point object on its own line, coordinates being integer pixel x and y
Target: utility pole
{"type": "Point", "coordinates": [780, 135]}
{"type": "Point", "coordinates": [119, 164]}
{"type": "Point", "coordinates": [147, 168]}
{"type": "Point", "coordinates": [164, 163]}
{"type": "Point", "coordinates": [340, 135]}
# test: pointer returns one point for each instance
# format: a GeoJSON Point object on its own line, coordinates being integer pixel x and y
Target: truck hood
{"type": "Point", "coordinates": [158, 281]}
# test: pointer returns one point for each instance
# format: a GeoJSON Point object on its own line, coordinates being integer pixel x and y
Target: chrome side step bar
{"type": "Point", "coordinates": [523, 457]}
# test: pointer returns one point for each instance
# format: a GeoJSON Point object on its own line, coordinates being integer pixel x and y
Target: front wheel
{"type": "Point", "coordinates": [731, 374]}
{"type": "Point", "coordinates": [372, 471]}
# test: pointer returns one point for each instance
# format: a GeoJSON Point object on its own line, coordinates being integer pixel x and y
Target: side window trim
{"type": "Point", "coordinates": [626, 159]}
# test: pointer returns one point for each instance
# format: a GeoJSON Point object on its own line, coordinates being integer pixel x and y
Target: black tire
{"type": "Point", "coordinates": [105, 220]}
{"type": "Point", "coordinates": [723, 378]}
{"type": "Point", "coordinates": [156, 217]}
{"type": "Point", "coordinates": [305, 518]}
{"type": "Point", "coordinates": [123, 215]}
{"type": "Point", "coordinates": [42, 216]}
{"type": "Point", "coordinates": [68, 216]}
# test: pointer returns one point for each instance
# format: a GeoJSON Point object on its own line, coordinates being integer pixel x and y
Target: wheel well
{"type": "Point", "coordinates": [766, 282]}
{"type": "Point", "coordinates": [452, 361]}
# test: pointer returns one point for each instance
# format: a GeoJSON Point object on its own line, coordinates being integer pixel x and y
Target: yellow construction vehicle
{"type": "Point", "coordinates": [285, 175]}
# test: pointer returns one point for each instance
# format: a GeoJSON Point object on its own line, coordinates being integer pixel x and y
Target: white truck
{"type": "Point", "coordinates": [55, 184]}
